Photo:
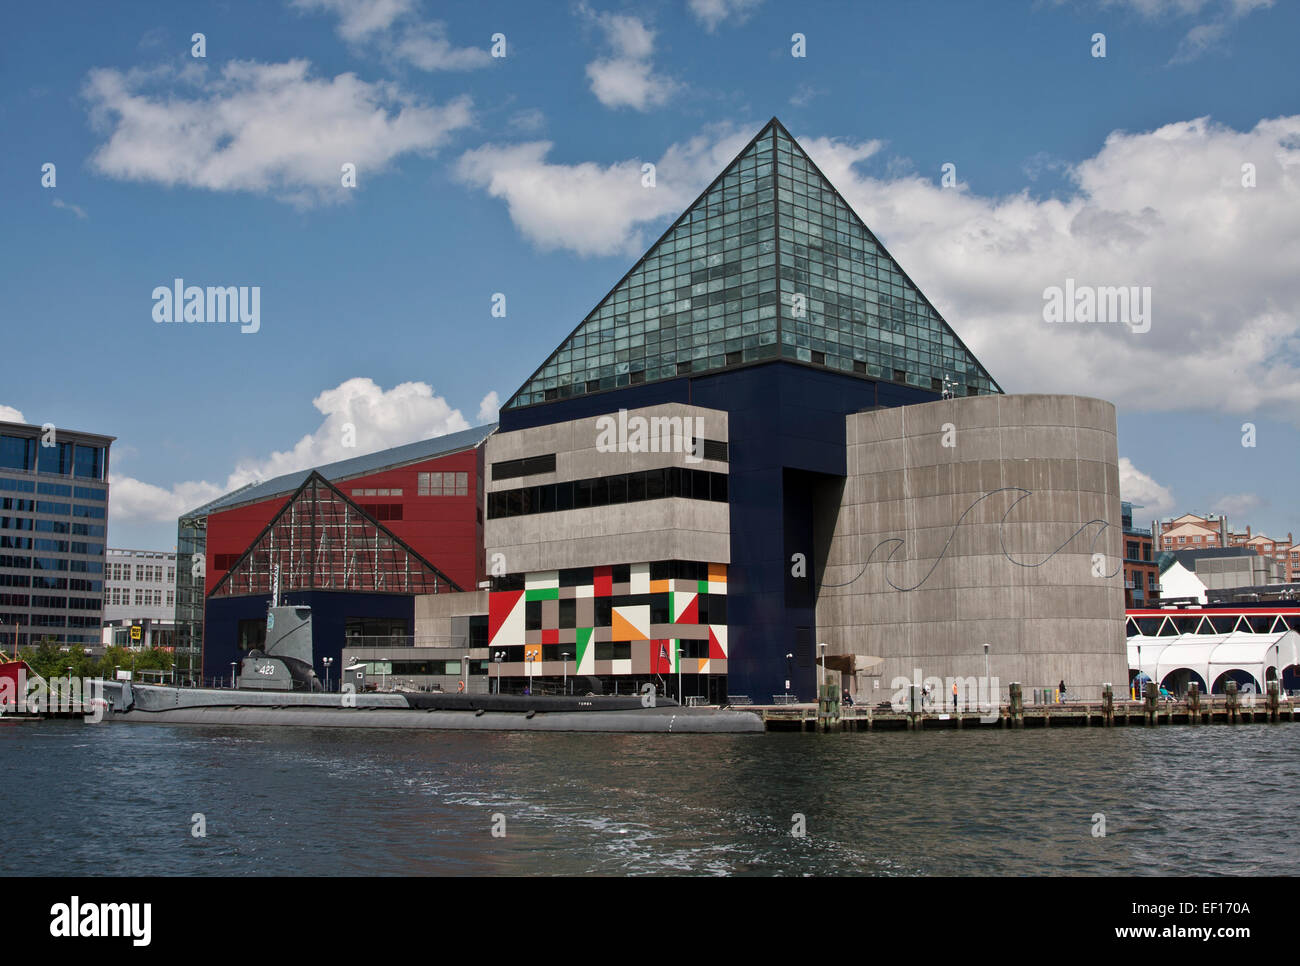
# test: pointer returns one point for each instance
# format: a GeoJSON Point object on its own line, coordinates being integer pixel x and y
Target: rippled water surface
{"type": "Point", "coordinates": [81, 799]}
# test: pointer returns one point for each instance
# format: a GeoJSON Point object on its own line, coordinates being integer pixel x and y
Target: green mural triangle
{"type": "Point", "coordinates": [582, 638]}
{"type": "Point", "coordinates": [768, 262]}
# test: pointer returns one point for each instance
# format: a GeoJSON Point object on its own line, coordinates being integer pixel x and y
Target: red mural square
{"type": "Point", "coordinates": [603, 580]}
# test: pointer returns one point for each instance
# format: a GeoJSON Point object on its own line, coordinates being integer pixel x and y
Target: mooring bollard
{"type": "Point", "coordinates": [1107, 704]}
{"type": "Point", "coordinates": [1149, 696]}
{"type": "Point", "coordinates": [828, 708]}
{"type": "Point", "coordinates": [1194, 703]}
{"type": "Point", "coordinates": [1016, 704]}
{"type": "Point", "coordinates": [1230, 692]}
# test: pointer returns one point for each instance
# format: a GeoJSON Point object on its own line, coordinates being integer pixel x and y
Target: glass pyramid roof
{"type": "Point", "coordinates": [321, 540]}
{"type": "Point", "coordinates": [769, 262]}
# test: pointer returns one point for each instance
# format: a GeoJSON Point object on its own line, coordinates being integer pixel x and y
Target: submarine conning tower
{"type": "Point", "coordinates": [285, 664]}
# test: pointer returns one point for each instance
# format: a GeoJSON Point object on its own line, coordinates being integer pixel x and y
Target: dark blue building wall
{"type": "Point", "coordinates": [781, 417]}
{"type": "Point", "coordinates": [329, 613]}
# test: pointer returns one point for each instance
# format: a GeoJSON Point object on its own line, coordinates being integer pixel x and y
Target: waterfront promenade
{"type": "Point", "coordinates": [1151, 710]}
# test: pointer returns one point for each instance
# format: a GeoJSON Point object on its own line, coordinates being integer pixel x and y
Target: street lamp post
{"type": "Point", "coordinates": [821, 676]}
{"type": "Point", "coordinates": [232, 672]}
{"type": "Point", "coordinates": [680, 700]}
{"type": "Point", "coordinates": [465, 668]}
{"type": "Point", "coordinates": [499, 656]}
{"type": "Point", "coordinates": [327, 661]}
{"type": "Point", "coordinates": [528, 662]}
{"type": "Point", "coordinates": [988, 681]}
{"type": "Point", "coordinates": [564, 658]}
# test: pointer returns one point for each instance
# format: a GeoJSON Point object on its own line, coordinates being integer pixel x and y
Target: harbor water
{"type": "Point", "coordinates": [84, 799]}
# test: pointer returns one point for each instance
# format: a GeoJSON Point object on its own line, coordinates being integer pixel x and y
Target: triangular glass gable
{"type": "Point", "coordinates": [705, 296]}
{"type": "Point", "coordinates": [321, 540]}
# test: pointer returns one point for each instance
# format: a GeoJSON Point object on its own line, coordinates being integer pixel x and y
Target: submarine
{"type": "Point", "coordinates": [276, 686]}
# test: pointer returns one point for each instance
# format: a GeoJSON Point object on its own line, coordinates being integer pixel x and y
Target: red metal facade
{"type": "Point", "coordinates": [446, 530]}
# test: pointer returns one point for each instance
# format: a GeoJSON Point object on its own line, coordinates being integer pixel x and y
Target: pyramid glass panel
{"type": "Point", "coordinates": [703, 297]}
{"type": "Point", "coordinates": [321, 540]}
{"type": "Point", "coordinates": [845, 303]}
{"type": "Point", "coordinates": [768, 262]}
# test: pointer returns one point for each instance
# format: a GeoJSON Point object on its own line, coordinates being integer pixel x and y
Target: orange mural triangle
{"type": "Point", "coordinates": [623, 630]}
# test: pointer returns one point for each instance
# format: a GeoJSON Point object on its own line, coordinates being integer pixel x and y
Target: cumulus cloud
{"type": "Point", "coordinates": [10, 415]}
{"type": "Point", "coordinates": [711, 13]}
{"type": "Point", "coordinates": [489, 407]}
{"type": "Point", "coordinates": [1164, 209]}
{"type": "Point", "coordinates": [262, 128]}
{"type": "Point", "coordinates": [394, 29]}
{"type": "Point", "coordinates": [361, 19]}
{"type": "Point", "coordinates": [590, 208]}
{"type": "Point", "coordinates": [357, 411]}
{"type": "Point", "coordinates": [627, 78]}
{"type": "Point", "coordinates": [1139, 488]}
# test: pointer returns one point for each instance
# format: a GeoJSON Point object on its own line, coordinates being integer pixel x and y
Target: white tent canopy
{"type": "Point", "coordinates": [1211, 655]}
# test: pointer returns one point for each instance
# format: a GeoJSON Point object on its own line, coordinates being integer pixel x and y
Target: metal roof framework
{"type": "Point", "coordinates": [321, 540]}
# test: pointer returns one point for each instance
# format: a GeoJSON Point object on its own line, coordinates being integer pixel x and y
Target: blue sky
{"type": "Point", "coordinates": [522, 175]}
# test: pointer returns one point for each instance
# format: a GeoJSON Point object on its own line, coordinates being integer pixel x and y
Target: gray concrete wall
{"type": "Point", "coordinates": [668, 529]}
{"type": "Point", "coordinates": [951, 588]}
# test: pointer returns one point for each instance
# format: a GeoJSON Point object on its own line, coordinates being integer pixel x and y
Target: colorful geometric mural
{"type": "Point", "coordinates": [620, 620]}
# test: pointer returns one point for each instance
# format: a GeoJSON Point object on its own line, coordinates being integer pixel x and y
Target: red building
{"type": "Point", "coordinates": [423, 501]}
{"type": "Point", "coordinates": [432, 503]}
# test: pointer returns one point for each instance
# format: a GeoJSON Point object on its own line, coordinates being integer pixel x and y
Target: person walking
{"type": "Point", "coordinates": [1062, 685]}
{"type": "Point", "coordinates": [954, 695]}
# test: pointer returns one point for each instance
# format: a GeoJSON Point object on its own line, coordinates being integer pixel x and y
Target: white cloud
{"type": "Point", "coordinates": [426, 46]}
{"type": "Point", "coordinates": [527, 121]}
{"type": "Point", "coordinates": [75, 209]}
{"type": "Point", "coordinates": [393, 28]}
{"type": "Point", "coordinates": [10, 415]}
{"type": "Point", "coordinates": [627, 78]}
{"type": "Point", "coordinates": [489, 407]}
{"type": "Point", "coordinates": [1198, 40]}
{"type": "Point", "coordinates": [711, 13]}
{"type": "Point", "coordinates": [1163, 208]}
{"type": "Point", "coordinates": [1139, 488]}
{"type": "Point", "coordinates": [1151, 9]}
{"type": "Point", "coordinates": [263, 128]}
{"type": "Point", "coordinates": [379, 418]}
{"type": "Point", "coordinates": [1237, 504]}
{"type": "Point", "coordinates": [361, 19]}
{"type": "Point", "coordinates": [1202, 36]}
{"type": "Point", "coordinates": [590, 208]}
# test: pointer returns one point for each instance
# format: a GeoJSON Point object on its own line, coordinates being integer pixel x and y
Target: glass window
{"type": "Point", "coordinates": [89, 462]}
{"type": "Point", "coordinates": [17, 453]}
{"type": "Point", "coordinates": [56, 459]}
